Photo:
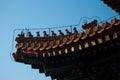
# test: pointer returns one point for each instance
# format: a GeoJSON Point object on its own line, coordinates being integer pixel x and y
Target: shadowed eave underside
{"type": "Point", "coordinates": [114, 4]}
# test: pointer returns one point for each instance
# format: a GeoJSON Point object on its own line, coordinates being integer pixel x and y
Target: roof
{"type": "Point", "coordinates": [64, 44]}
{"type": "Point", "coordinates": [62, 56]}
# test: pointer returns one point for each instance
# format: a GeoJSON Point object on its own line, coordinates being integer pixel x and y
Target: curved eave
{"type": "Point", "coordinates": [57, 65]}
{"type": "Point", "coordinates": [66, 49]}
{"type": "Point", "coordinates": [18, 57]}
{"type": "Point", "coordinates": [105, 46]}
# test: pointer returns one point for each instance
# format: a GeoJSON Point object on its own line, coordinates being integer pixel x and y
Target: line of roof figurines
{"type": "Point", "coordinates": [89, 28]}
{"type": "Point", "coordinates": [54, 41]}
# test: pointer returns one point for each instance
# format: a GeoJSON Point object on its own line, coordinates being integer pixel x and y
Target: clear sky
{"type": "Point", "coordinates": [23, 14]}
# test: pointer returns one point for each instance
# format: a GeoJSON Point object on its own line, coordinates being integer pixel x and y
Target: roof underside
{"type": "Point", "coordinates": [114, 4]}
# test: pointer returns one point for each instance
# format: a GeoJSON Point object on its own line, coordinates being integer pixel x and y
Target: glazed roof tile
{"type": "Point", "coordinates": [66, 43]}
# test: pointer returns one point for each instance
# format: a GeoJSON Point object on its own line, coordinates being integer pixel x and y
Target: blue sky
{"type": "Point", "coordinates": [21, 14]}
